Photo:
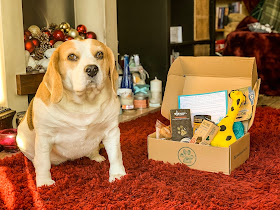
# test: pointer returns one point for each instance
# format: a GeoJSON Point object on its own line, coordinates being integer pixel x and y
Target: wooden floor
{"type": "Point", "coordinates": [271, 101]}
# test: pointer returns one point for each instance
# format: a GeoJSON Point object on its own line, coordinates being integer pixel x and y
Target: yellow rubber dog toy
{"type": "Point", "coordinates": [225, 137]}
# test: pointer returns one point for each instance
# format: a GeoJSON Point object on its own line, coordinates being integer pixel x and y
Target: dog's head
{"type": "Point", "coordinates": [80, 69]}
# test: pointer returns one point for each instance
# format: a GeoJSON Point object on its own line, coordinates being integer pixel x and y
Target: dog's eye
{"type": "Point", "coordinates": [99, 55]}
{"type": "Point", "coordinates": [72, 57]}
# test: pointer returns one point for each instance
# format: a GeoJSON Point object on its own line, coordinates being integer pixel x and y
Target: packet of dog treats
{"type": "Point", "coordinates": [181, 124]}
{"type": "Point", "coordinates": [163, 131]}
{"type": "Point", "coordinates": [205, 133]}
{"type": "Point", "coordinates": [246, 108]}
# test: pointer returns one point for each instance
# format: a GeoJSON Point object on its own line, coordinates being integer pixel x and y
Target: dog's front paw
{"type": "Point", "coordinates": [41, 181]}
{"type": "Point", "coordinates": [114, 177]}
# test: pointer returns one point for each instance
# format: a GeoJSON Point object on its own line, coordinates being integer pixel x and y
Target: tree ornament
{"type": "Point", "coordinates": [47, 32]}
{"type": "Point", "coordinates": [67, 37]}
{"type": "Point", "coordinates": [29, 69]}
{"type": "Point", "coordinates": [43, 37]}
{"type": "Point", "coordinates": [83, 35]}
{"type": "Point", "coordinates": [64, 26]}
{"type": "Point", "coordinates": [79, 38]}
{"type": "Point", "coordinates": [45, 45]}
{"type": "Point", "coordinates": [82, 29]}
{"type": "Point", "coordinates": [73, 33]}
{"type": "Point", "coordinates": [91, 35]}
{"type": "Point", "coordinates": [52, 42]}
{"type": "Point", "coordinates": [39, 54]}
{"type": "Point", "coordinates": [52, 27]}
{"type": "Point", "coordinates": [27, 35]}
{"type": "Point", "coordinates": [35, 30]}
{"type": "Point", "coordinates": [57, 44]}
{"type": "Point", "coordinates": [44, 41]}
{"type": "Point", "coordinates": [36, 42]}
{"type": "Point", "coordinates": [58, 35]}
{"type": "Point", "coordinates": [38, 67]}
{"type": "Point", "coordinates": [29, 46]}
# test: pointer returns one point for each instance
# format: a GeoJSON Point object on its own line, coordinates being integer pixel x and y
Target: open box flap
{"type": "Point", "coordinates": [194, 75]}
{"type": "Point", "coordinates": [213, 66]}
{"type": "Point", "coordinates": [256, 89]}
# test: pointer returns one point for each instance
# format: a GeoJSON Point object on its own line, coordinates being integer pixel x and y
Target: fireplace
{"type": "Point", "coordinates": [99, 16]}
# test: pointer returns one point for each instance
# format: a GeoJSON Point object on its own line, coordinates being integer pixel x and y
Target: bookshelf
{"type": "Point", "coordinates": [222, 10]}
{"type": "Point", "coordinates": [226, 6]}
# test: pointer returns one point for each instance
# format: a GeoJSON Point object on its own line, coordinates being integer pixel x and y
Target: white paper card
{"type": "Point", "coordinates": [176, 34]}
{"type": "Point", "coordinates": [214, 104]}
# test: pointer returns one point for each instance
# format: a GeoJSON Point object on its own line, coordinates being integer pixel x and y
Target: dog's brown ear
{"type": "Point", "coordinates": [52, 79]}
{"type": "Point", "coordinates": [113, 71]}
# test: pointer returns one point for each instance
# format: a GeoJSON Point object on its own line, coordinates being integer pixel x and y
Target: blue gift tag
{"type": "Point", "coordinates": [251, 95]}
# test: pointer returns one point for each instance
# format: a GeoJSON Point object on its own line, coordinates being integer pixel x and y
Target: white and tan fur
{"type": "Point", "coordinates": [72, 113]}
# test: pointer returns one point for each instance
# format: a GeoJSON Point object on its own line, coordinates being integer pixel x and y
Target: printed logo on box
{"type": "Point", "coordinates": [187, 156]}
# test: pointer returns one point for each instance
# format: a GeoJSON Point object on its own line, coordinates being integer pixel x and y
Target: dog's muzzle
{"type": "Point", "coordinates": [91, 70]}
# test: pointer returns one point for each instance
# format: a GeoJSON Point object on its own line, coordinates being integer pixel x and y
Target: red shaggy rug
{"type": "Point", "coordinates": [83, 184]}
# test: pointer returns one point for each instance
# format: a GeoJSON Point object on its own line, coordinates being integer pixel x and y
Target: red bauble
{"type": "Point", "coordinates": [47, 32]}
{"type": "Point", "coordinates": [91, 35]}
{"type": "Point", "coordinates": [35, 42]}
{"type": "Point", "coordinates": [58, 35]}
{"type": "Point", "coordinates": [29, 46]}
{"type": "Point", "coordinates": [27, 35]}
{"type": "Point", "coordinates": [67, 37]}
{"type": "Point", "coordinates": [82, 29]}
{"type": "Point", "coordinates": [52, 42]}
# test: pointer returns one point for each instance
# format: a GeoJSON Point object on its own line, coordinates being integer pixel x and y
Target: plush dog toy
{"type": "Point", "coordinates": [74, 110]}
{"type": "Point", "coordinates": [225, 137]}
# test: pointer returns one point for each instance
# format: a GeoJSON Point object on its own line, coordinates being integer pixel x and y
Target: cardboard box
{"type": "Point", "coordinates": [194, 75]}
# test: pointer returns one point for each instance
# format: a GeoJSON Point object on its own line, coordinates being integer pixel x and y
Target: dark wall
{"type": "Point", "coordinates": [143, 30]}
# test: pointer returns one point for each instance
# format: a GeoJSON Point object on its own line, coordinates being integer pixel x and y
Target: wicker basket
{"type": "Point", "coordinates": [6, 119]}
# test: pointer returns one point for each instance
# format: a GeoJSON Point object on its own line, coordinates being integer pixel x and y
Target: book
{"type": "Point", "coordinates": [217, 18]}
{"type": "Point", "coordinates": [226, 19]}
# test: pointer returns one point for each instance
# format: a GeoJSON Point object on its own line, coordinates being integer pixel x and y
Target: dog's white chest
{"type": "Point", "coordinates": [73, 142]}
{"type": "Point", "coordinates": [76, 135]}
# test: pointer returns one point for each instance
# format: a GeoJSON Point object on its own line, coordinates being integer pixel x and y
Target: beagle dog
{"type": "Point", "coordinates": [74, 110]}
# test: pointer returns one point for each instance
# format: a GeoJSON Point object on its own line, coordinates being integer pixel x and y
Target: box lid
{"type": "Point", "coordinates": [194, 75]}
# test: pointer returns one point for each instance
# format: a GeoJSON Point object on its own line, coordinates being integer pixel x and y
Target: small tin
{"type": "Point", "coordinates": [198, 120]}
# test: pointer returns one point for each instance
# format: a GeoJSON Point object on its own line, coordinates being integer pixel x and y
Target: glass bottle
{"type": "Point", "coordinates": [127, 77]}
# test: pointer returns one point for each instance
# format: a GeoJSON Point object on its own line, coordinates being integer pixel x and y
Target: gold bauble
{"type": "Point", "coordinates": [35, 30]}
{"type": "Point", "coordinates": [79, 38]}
{"type": "Point", "coordinates": [73, 33]}
{"type": "Point", "coordinates": [64, 26]}
{"type": "Point", "coordinates": [57, 44]}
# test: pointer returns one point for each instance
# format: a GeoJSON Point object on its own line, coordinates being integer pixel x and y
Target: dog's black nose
{"type": "Point", "coordinates": [91, 70]}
